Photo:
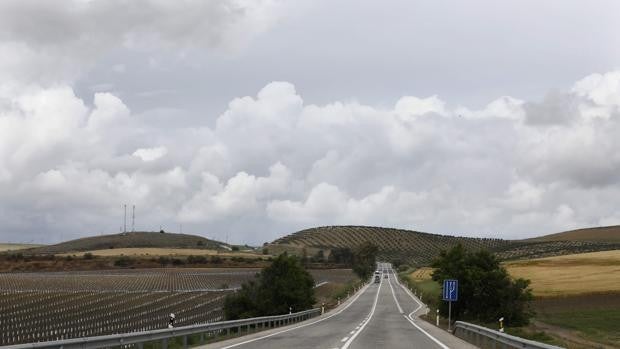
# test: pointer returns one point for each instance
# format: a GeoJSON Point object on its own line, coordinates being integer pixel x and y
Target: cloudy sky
{"type": "Point", "coordinates": [247, 120]}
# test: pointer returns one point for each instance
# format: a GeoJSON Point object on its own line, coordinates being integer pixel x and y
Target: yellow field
{"type": "Point", "coordinates": [142, 251]}
{"type": "Point", "coordinates": [14, 247]}
{"type": "Point", "coordinates": [422, 274]}
{"type": "Point", "coordinates": [571, 274]}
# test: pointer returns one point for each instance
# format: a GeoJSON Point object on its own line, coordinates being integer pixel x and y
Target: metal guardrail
{"type": "Point", "coordinates": [163, 335]}
{"type": "Point", "coordinates": [485, 338]}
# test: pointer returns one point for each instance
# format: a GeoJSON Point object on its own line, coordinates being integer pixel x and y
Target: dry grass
{"type": "Point", "coordinates": [585, 273]}
{"type": "Point", "coordinates": [421, 274]}
{"type": "Point", "coordinates": [14, 247]}
{"type": "Point", "coordinates": [152, 251]}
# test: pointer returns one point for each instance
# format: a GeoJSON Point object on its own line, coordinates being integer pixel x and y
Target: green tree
{"type": "Point", "coordinates": [285, 283]}
{"type": "Point", "coordinates": [365, 259]}
{"type": "Point", "coordinates": [341, 255]}
{"type": "Point", "coordinates": [486, 291]}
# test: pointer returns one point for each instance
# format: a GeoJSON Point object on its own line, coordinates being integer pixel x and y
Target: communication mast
{"type": "Point", "coordinates": [133, 218]}
{"type": "Point", "coordinates": [125, 219]}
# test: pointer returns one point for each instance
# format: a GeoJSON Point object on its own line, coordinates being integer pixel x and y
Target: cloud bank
{"type": "Point", "coordinates": [272, 164]}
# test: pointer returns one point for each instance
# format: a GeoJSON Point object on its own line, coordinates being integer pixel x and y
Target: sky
{"type": "Point", "coordinates": [246, 120]}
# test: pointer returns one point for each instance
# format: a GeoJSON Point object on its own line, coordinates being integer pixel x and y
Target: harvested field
{"type": "Point", "coordinates": [585, 273]}
{"type": "Point", "coordinates": [15, 247]}
{"type": "Point", "coordinates": [171, 252]}
{"type": "Point", "coordinates": [422, 274]}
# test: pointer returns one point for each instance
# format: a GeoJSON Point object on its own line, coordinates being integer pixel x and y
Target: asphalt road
{"type": "Point", "coordinates": [381, 315]}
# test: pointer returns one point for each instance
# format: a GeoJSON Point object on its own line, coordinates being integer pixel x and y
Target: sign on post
{"type": "Point", "coordinates": [451, 290]}
{"type": "Point", "coordinates": [450, 294]}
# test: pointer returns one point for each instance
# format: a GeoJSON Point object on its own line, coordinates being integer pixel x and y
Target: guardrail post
{"type": "Point", "coordinates": [184, 342]}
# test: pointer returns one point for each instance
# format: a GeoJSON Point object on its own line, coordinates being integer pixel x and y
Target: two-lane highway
{"type": "Point", "coordinates": [381, 315]}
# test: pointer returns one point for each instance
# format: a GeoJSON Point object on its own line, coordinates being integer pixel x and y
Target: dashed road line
{"type": "Point", "coordinates": [372, 311]}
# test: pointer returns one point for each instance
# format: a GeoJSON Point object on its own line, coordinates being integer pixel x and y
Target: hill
{"type": "Point", "coordinates": [394, 244]}
{"type": "Point", "coordinates": [603, 234]}
{"type": "Point", "coordinates": [419, 248]}
{"type": "Point", "coordinates": [129, 240]}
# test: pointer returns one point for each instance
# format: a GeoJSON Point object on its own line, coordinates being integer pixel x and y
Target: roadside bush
{"type": "Point", "coordinates": [285, 283]}
{"type": "Point", "coordinates": [197, 260]}
{"type": "Point", "coordinates": [216, 259]}
{"type": "Point", "coordinates": [235, 248]}
{"type": "Point", "coordinates": [164, 261]}
{"type": "Point", "coordinates": [177, 261]}
{"type": "Point", "coordinates": [486, 291]}
{"type": "Point", "coordinates": [88, 255]}
{"type": "Point", "coordinates": [123, 261]}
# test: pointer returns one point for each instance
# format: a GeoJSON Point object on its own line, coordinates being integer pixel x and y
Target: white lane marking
{"type": "Point", "coordinates": [372, 311]}
{"type": "Point", "coordinates": [443, 346]}
{"type": "Point", "coordinates": [394, 295]}
{"type": "Point", "coordinates": [344, 339]}
{"type": "Point", "coordinates": [352, 332]}
{"type": "Point", "coordinates": [410, 319]}
{"type": "Point", "coordinates": [304, 325]}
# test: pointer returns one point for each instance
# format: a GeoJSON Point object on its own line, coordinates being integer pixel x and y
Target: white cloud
{"type": "Point", "coordinates": [150, 154]}
{"type": "Point", "coordinates": [273, 164]}
{"type": "Point", "coordinates": [61, 40]}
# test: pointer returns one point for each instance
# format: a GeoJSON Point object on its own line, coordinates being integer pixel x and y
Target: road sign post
{"type": "Point", "coordinates": [450, 294]}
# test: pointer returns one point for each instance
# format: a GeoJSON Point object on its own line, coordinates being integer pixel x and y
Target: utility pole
{"type": "Point", "coordinates": [133, 218]}
{"type": "Point", "coordinates": [125, 219]}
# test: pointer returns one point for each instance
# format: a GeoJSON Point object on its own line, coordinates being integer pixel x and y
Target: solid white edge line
{"type": "Point", "coordinates": [410, 319]}
{"type": "Point", "coordinates": [300, 326]}
{"type": "Point", "coordinates": [372, 311]}
{"type": "Point", "coordinates": [400, 309]}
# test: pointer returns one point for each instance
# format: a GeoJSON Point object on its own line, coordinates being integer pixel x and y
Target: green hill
{"type": "Point", "coordinates": [129, 240]}
{"type": "Point", "coordinates": [420, 248]}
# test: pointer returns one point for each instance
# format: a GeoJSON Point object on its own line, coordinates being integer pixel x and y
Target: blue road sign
{"type": "Point", "coordinates": [451, 290]}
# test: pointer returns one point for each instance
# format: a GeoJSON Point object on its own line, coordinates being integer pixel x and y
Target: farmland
{"type": "Point", "coordinates": [50, 306]}
{"type": "Point", "coordinates": [577, 297]}
{"type": "Point", "coordinates": [160, 251]}
{"type": "Point", "coordinates": [15, 247]}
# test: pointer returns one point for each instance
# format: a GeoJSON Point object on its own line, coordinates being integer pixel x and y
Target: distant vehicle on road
{"type": "Point", "coordinates": [385, 276]}
{"type": "Point", "coordinates": [377, 278]}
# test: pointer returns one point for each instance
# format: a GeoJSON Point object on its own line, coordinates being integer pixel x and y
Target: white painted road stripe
{"type": "Point", "coordinates": [400, 310]}
{"type": "Point", "coordinates": [410, 319]}
{"type": "Point", "coordinates": [372, 311]}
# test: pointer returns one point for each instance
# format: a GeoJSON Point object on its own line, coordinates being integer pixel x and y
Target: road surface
{"type": "Point", "coordinates": [381, 315]}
